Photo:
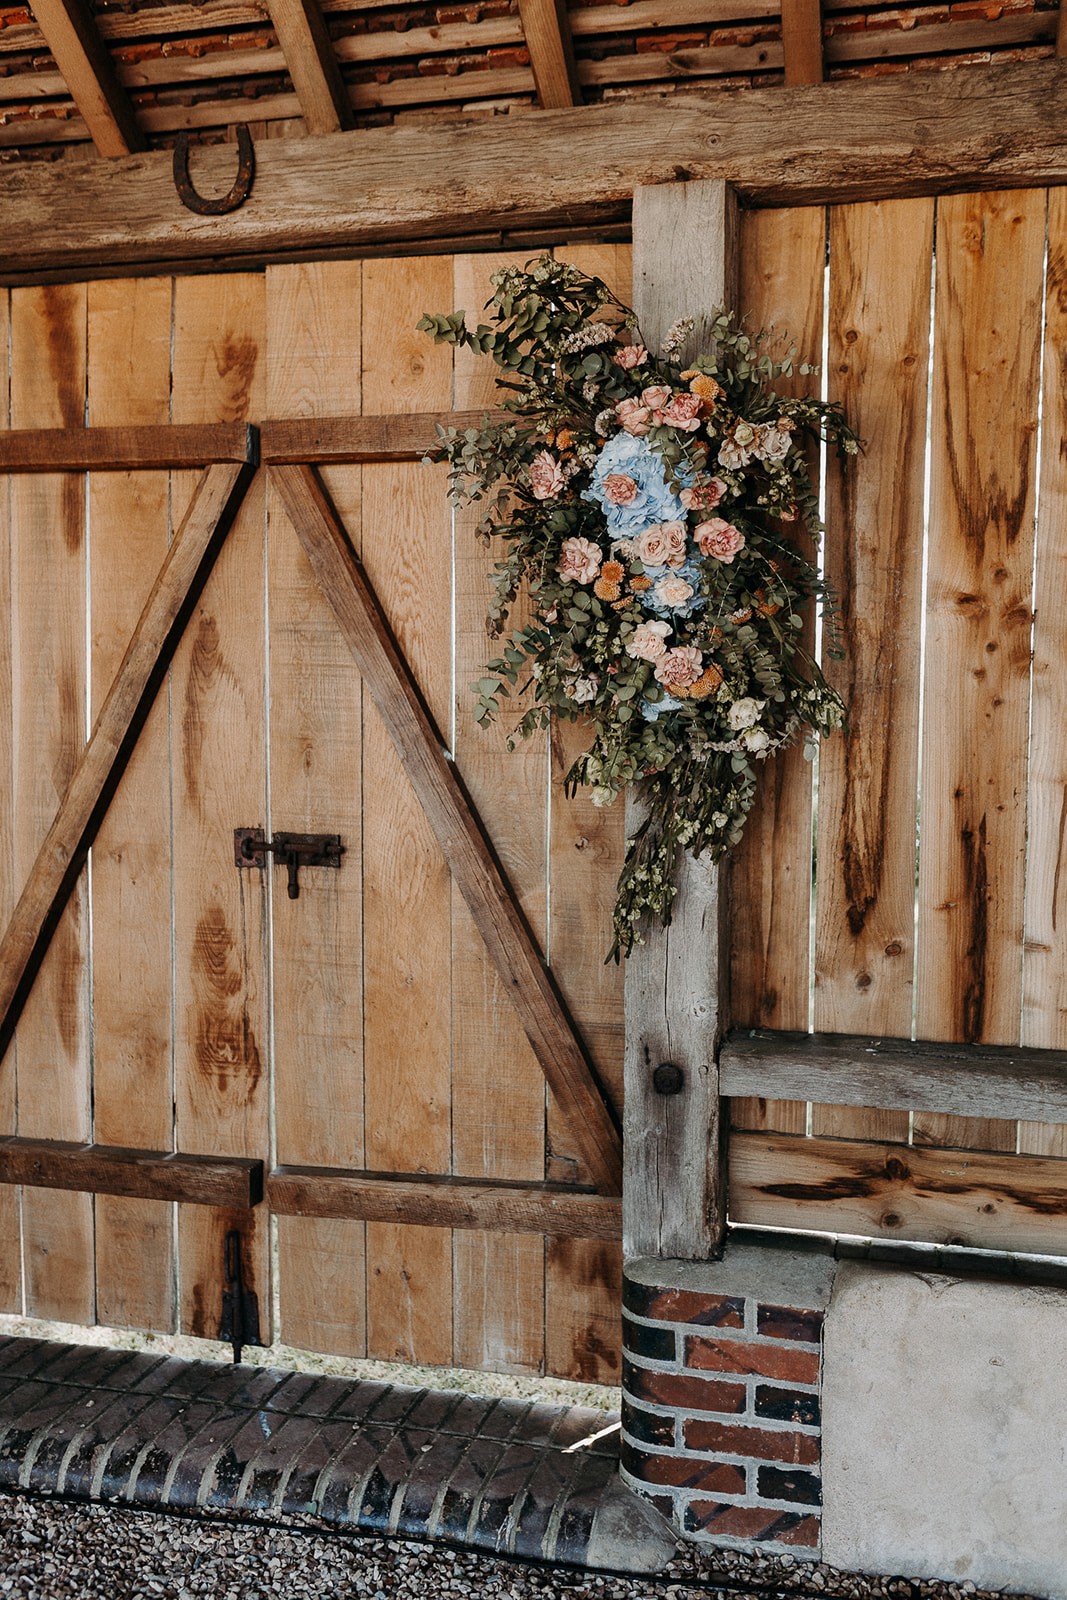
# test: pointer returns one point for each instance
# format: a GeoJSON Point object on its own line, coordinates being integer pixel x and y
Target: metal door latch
{"type": "Point", "coordinates": [240, 1308]}
{"type": "Point", "coordinates": [290, 850]}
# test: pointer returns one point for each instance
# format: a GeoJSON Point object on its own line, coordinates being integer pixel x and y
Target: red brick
{"type": "Point", "coordinates": [685, 1393]}
{"type": "Point", "coordinates": [682, 1472]}
{"type": "Point", "coordinates": [805, 1532]}
{"type": "Point", "coordinates": [741, 1522]}
{"type": "Point", "coordinates": [743, 1355]}
{"type": "Point", "coordinates": [686, 1305]}
{"type": "Point", "coordinates": [789, 1322]}
{"type": "Point", "coordinates": [762, 1444]}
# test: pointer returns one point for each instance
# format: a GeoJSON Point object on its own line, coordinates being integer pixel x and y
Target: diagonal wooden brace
{"type": "Point", "coordinates": [470, 856]}
{"type": "Point", "coordinates": [60, 858]}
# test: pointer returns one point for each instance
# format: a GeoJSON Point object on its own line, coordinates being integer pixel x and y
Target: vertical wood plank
{"type": "Point", "coordinates": [782, 256]}
{"type": "Point", "coordinates": [313, 369]}
{"type": "Point", "coordinates": [219, 761]}
{"type": "Point", "coordinates": [407, 888]}
{"type": "Point", "coordinates": [674, 1191]}
{"type": "Point", "coordinates": [498, 1090]}
{"type": "Point", "coordinates": [128, 362]}
{"type": "Point", "coordinates": [49, 594]}
{"type": "Point", "coordinates": [10, 1220]}
{"type": "Point", "coordinates": [972, 848]}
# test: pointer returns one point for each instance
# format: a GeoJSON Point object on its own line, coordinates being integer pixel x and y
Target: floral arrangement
{"type": "Point", "coordinates": [646, 509]}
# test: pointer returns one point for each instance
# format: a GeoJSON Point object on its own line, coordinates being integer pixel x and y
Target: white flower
{"type": "Point", "coordinates": [743, 713]}
{"type": "Point", "coordinates": [719, 818]}
{"type": "Point", "coordinates": [756, 740]}
{"type": "Point", "coordinates": [601, 795]}
{"type": "Point", "coordinates": [582, 689]}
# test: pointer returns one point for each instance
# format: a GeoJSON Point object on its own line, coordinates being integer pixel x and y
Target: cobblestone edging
{"type": "Point", "coordinates": [160, 1433]}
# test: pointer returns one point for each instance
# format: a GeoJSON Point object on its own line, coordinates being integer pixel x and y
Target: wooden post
{"type": "Point", "coordinates": [674, 1181]}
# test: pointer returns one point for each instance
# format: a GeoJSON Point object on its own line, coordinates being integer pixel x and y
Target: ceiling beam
{"type": "Point", "coordinates": [309, 56]}
{"type": "Point", "coordinates": [802, 41]}
{"type": "Point", "coordinates": [992, 127]}
{"type": "Point", "coordinates": [88, 71]}
{"type": "Point", "coordinates": [548, 39]}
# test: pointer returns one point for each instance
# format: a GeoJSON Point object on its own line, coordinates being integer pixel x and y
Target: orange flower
{"type": "Point", "coordinates": [742, 614]}
{"type": "Point", "coordinates": [564, 439]}
{"type": "Point", "coordinates": [604, 590]}
{"type": "Point", "coordinates": [765, 607]}
{"type": "Point", "coordinates": [613, 571]}
{"type": "Point", "coordinates": [706, 387]}
{"type": "Point", "coordinates": [706, 684]}
{"type": "Point", "coordinates": [639, 585]}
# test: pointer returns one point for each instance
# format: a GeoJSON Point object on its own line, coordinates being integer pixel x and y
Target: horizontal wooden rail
{"type": "Point", "coordinates": [191, 444]}
{"type": "Point", "coordinates": [897, 1191]}
{"type": "Point", "coordinates": [142, 1174]}
{"type": "Point", "coordinates": [320, 440]}
{"type": "Point", "coordinates": [444, 1202]}
{"type": "Point", "coordinates": [897, 1074]}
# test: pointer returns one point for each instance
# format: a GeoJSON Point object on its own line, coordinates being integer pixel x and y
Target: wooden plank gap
{"type": "Point", "coordinates": [89, 73]}
{"type": "Point", "coordinates": [312, 63]}
{"type": "Point", "coordinates": [203, 1180]}
{"type": "Point", "coordinates": [473, 863]}
{"type": "Point", "coordinates": [802, 42]}
{"type": "Point", "coordinates": [546, 28]}
{"type": "Point", "coordinates": [125, 449]}
{"type": "Point", "coordinates": [218, 495]}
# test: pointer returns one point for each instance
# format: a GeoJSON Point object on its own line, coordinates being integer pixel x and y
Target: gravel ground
{"type": "Point", "coordinates": [60, 1550]}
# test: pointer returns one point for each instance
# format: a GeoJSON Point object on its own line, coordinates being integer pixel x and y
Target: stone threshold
{"type": "Point", "coordinates": [506, 1477]}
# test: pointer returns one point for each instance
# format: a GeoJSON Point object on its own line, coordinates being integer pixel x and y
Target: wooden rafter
{"type": "Point", "coordinates": [474, 867]}
{"type": "Point", "coordinates": [83, 59]}
{"type": "Point", "coordinates": [548, 39]}
{"type": "Point", "coordinates": [802, 40]}
{"type": "Point", "coordinates": [309, 55]}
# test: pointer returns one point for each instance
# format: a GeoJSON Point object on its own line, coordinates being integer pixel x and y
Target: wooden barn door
{"type": "Point", "coordinates": [188, 1004]}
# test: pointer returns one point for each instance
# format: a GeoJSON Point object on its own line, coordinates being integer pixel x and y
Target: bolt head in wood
{"type": "Point", "coordinates": [668, 1079]}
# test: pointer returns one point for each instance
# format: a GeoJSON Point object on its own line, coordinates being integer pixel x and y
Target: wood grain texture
{"type": "Point", "coordinates": [880, 1191]}
{"type": "Point", "coordinates": [219, 760]}
{"type": "Point", "coordinates": [486, 1205]}
{"type": "Point", "coordinates": [122, 448]}
{"type": "Point", "coordinates": [128, 362]}
{"type": "Point", "coordinates": [972, 844]}
{"type": "Point", "coordinates": [891, 136]}
{"type": "Point", "coordinates": [314, 325]}
{"type": "Point", "coordinates": [674, 1201]}
{"type": "Point", "coordinates": [146, 1176]}
{"type": "Point", "coordinates": [405, 436]}
{"type": "Point", "coordinates": [89, 74]}
{"type": "Point", "coordinates": [546, 29]}
{"type": "Point", "coordinates": [312, 64]}
{"type": "Point", "coordinates": [802, 41]}
{"type": "Point", "coordinates": [49, 599]}
{"type": "Point", "coordinates": [498, 1088]}
{"type": "Point", "coordinates": [10, 1219]}
{"type": "Point", "coordinates": [406, 548]}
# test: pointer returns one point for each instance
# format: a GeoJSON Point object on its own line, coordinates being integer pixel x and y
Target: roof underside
{"type": "Point", "coordinates": [122, 75]}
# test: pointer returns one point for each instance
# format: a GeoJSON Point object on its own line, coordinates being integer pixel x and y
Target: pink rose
{"type": "Point", "coordinates": [682, 412]}
{"type": "Point", "coordinates": [630, 356]}
{"type": "Point", "coordinates": [648, 642]}
{"type": "Point", "coordinates": [619, 489]}
{"type": "Point", "coordinates": [546, 477]}
{"type": "Point", "coordinates": [680, 667]}
{"type": "Point", "coordinates": [655, 397]}
{"type": "Point", "coordinates": [579, 560]}
{"type": "Point", "coordinates": [634, 417]}
{"type": "Point", "coordinates": [673, 591]}
{"type": "Point", "coordinates": [719, 538]}
{"type": "Point", "coordinates": [703, 496]}
{"type": "Point", "coordinates": [662, 545]}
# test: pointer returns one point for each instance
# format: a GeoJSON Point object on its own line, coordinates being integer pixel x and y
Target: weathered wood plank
{"type": "Point", "coordinates": [546, 29]}
{"type": "Point", "coordinates": [491, 1205]}
{"type": "Point", "coordinates": [802, 41]}
{"type": "Point", "coordinates": [910, 134]}
{"type": "Point", "coordinates": [312, 63]}
{"type": "Point", "coordinates": [404, 437]}
{"type": "Point", "coordinates": [674, 1200]}
{"type": "Point", "coordinates": [83, 59]}
{"type": "Point", "coordinates": [123, 449]}
{"type": "Point", "coordinates": [474, 867]}
{"type": "Point", "coordinates": [893, 1191]}
{"type": "Point", "coordinates": [10, 1218]}
{"type": "Point", "coordinates": [314, 325]}
{"type": "Point", "coordinates": [62, 854]}
{"type": "Point", "coordinates": [151, 1175]}
{"type": "Point", "coordinates": [896, 1074]}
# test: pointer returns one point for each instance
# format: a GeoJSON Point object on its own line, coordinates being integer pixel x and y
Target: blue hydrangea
{"type": "Point", "coordinates": [651, 709]}
{"type": "Point", "coordinates": [654, 502]}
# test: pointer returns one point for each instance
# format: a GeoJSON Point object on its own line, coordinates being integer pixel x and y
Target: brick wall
{"type": "Point", "coordinates": [721, 1395]}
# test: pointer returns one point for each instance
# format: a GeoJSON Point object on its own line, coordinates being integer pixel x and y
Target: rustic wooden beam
{"type": "Point", "coordinates": [142, 1174]}
{"type": "Point", "coordinates": [124, 449]}
{"type": "Point", "coordinates": [802, 40]}
{"type": "Point", "coordinates": [961, 1080]}
{"type": "Point", "coordinates": [899, 1191]}
{"type": "Point", "coordinates": [546, 30]}
{"type": "Point", "coordinates": [143, 669]}
{"type": "Point", "coordinates": [557, 1210]}
{"type": "Point", "coordinates": [477, 872]}
{"type": "Point", "coordinates": [321, 440]}
{"type": "Point", "coordinates": [312, 64]}
{"type": "Point", "coordinates": [1061, 31]}
{"type": "Point", "coordinates": [83, 59]}
{"type": "Point", "coordinates": [674, 1183]}
{"type": "Point", "coordinates": [916, 133]}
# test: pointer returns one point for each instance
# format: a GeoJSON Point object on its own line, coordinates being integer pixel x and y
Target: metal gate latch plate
{"type": "Point", "coordinates": [291, 850]}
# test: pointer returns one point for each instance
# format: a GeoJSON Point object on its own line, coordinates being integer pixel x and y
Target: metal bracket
{"type": "Point", "coordinates": [242, 184]}
{"type": "Point", "coordinates": [291, 850]}
{"type": "Point", "coordinates": [240, 1308]}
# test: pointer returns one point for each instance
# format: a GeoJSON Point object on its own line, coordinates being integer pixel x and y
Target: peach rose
{"type": "Point", "coordinates": [579, 560]}
{"type": "Point", "coordinates": [619, 489]}
{"type": "Point", "coordinates": [546, 478]}
{"type": "Point", "coordinates": [703, 496]}
{"type": "Point", "coordinates": [630, 356]}
{"type": "Point", "coordinates": [678, 668]}
{"type": "Point", "coordinates": [719, 538]}
{"type": "Point", "coordinates": [648, 642]}
{"type": "Point", "coordinates": [655, 397]}
{"type": "Point", "coordinates": [682, 412]}
{"type": "Point", "coordinates": [673, 592]}
{"type": "Point", "coordinates": [634, 417]}
{"type": "Point", "coordinates": [662, 545]}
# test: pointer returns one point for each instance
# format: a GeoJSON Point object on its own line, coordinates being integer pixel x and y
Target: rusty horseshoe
{"type": "Point", "coordinates": [246, 171]}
